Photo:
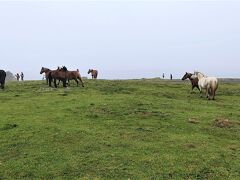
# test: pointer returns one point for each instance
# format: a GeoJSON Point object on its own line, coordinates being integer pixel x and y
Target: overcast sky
{"type": "Point", "coordinates": [122, 39]}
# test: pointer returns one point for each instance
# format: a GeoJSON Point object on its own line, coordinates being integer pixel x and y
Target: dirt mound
{"type": "Point", "coordinates": [223, 123]}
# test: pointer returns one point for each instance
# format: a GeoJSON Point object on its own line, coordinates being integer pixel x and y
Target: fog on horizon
{"type": "Point", "coordinates": [123, 40]}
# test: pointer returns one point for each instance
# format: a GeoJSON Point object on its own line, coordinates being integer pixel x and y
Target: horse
{"type": "Point", "coordinates": [2, 78]}
{"type": "Point", "coordinates": [73, 75]}
{"type": "Point", "coordinates": [46, 71]}
{"type": "Point", "coordinates": [194, 80]}
{"type": "Point", "coordinates": [59, 74]}
{"type": "Point", "coordinates": [208, 83]}
{"type": "Point", "coordinates": [94, 73]}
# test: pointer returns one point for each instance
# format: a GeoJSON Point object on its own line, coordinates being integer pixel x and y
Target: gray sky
{"type": "Point", "coordinates": [122, 39]}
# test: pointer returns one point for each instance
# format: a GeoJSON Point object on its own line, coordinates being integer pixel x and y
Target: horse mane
{"type": "Point", "coordinates": [197, 72]}
{"type": "Point", "coordinates": [64, 68]}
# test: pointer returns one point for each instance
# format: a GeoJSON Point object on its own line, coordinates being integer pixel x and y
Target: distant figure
{"type": "Point", "coordinates": [171, 76]}
{"type": "Point", "coordinates": [94, 73]}
{"type": "Point", "coordinates": [22, 76]}
{"type": "Point", "coordinates": [163, 75]}
{"type": "Point", "coordinates": [17, 76]}
{"type": "Point", "coordinates": [2, 78]}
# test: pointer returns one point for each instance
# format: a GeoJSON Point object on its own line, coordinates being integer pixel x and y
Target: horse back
{"type": "Point", "coordinates": [73, 74]}
{"type": "Point", "coordinates": [212, 82]}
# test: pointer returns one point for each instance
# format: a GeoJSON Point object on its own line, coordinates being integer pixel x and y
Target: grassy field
{"type": "Point", "coordinates": [133, 129]}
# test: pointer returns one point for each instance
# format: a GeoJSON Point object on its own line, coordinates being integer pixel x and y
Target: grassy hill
{"type": "Point", "coordinates": [136, 129]}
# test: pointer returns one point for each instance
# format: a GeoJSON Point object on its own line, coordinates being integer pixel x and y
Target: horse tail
{"type": "Point", "coordinates": [214, 87]}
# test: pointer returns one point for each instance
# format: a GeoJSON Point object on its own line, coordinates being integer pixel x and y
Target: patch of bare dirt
{"type": "Point", "coordinates": [223, 123]}
{"type": "Point", "coordinates": [193, 121]}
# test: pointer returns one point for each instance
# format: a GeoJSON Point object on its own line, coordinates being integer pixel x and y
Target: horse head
{"type": "Point", "coordinates": [187, 75]}
{"type": "Point", "coordinates": [89, 71]}
{"type": "Point", "coordinates": [64, 69]}
{"type": "Point", "coordinates": [43, 70]}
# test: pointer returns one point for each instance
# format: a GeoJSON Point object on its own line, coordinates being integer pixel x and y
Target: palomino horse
{"type": "Point", "coordinates": [46, 71]}
{"type": "Point", "coordinates": [94, 73]}
{"type": "Point", "coordinates": [208, 83]}
{"type": "Point", "coordinates": [194, 80]}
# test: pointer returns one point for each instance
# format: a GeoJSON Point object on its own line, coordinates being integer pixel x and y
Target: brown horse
{"type": "Point", "coordinates": [46, 71]}
{"type": "Point", "coordinates": [194, 80]}
{"type": "Point", "coordinates": [94, 73]}
{"type": "Point", "coordinates": [74, 75]}
{"type": "Point", "coordinates": [59, 74]}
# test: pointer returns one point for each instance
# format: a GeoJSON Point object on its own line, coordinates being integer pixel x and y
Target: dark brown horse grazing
{"type": "Point", "coordinates": [94, 73]}
{"type": "Point", "coordinates": [59, 74]}
{"type": "Point", "coordinates": [2, 78]}
{"type": "Point", "coordinates": [194, 80]}
{"type": "Point", "coordinates": [46, 71]}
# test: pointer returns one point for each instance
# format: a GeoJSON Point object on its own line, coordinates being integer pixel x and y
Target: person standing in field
{"type": "Point", "coordinates": [22, 76]}
{"type": "Point", "coordinates": [17, 76]}
{"type": "Point", "coordinates": [163, 75]}
{"type": "Point", "coordinates": [171, 76]}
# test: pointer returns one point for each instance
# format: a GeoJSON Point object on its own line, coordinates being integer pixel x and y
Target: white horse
{"type": "Point", "coordinates": [208, 83]}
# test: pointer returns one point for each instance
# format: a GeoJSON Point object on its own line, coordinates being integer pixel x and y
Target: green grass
{"type": "Point", "coordinates": [137, 129]}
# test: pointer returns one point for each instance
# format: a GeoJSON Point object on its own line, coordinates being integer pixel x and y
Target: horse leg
{"type": "Point", "coordinates": [80, 79]}
{"type": "Point", "coordinates": [198, 88]}
{"type": "Point", "coordinates": [55, 83]}
{"type": "Point", "coordinates": [58, 82]}
{"type": "Point", "coordinates": [207, 93]}
{"type": "Point", "coordinates": [64, 83]}
{"type": "Point", "coordinates": [213, 94]}
{"type": "Point", "coordinates": [192, 89]}
{"type": "Point", "coordinates": [50, 82]}
{"type": "Point", "coordinates": [76, 81]}
{"type": "Point", "coordinates": [200, 92]}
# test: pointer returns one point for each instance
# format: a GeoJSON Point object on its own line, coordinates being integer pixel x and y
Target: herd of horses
{"type": "Point", "coordinates": [62, 74]}
{"type": "Point", "coordinates": [198, 80]}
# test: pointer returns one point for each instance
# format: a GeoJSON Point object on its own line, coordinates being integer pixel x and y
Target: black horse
{"type": "Point", "coordinates": [2, 78]}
